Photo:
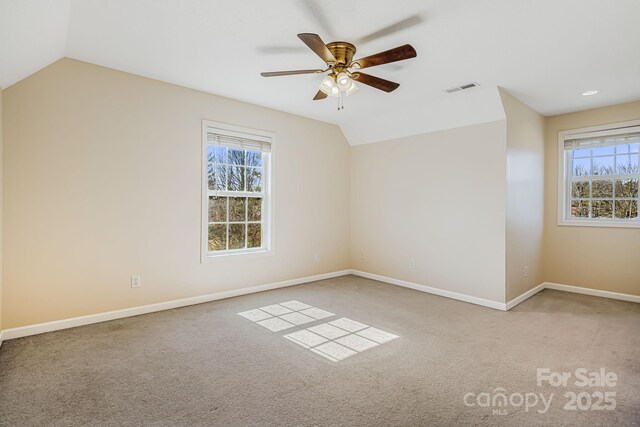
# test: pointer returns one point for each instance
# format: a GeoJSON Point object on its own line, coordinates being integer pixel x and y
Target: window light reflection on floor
{"type": "Point", "coordinates": [278, 317]}
{"type": "Point", "coordinates": [335, 340]}
{"type": "Point", "coordinates": [340, 338]}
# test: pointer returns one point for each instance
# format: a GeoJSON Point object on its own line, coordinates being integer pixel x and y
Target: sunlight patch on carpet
{"type": "Point", "coordinates": [335, 340]}
{"type": "Point", "coordinates": [285, 315]}
{"type": "Point", "coordinates": [340, 339]}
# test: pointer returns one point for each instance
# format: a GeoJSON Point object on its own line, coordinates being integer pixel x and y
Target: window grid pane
{"type": "Point", "coordinates": [603, 183]}
{"type": "Point", "coordinates": [234, 214]}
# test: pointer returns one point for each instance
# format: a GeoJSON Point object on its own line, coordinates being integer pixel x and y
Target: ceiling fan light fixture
{"type": "Point", "coordinates": [352, 88]}
{"type": "Point", "coordinates": [327, 85]}
{"type": "Point", "coordinates": [344, 81]}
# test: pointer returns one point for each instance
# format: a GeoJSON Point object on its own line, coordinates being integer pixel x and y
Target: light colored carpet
{"type": "Point", "coordinates": [206, 365]}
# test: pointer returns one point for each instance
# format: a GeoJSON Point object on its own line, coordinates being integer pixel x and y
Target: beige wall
{"type": "Point", "coordinates": [1, 200]}
{"type": "Point", "coordinates": [525, 196]}
{"type": "Point", "coordinates": [102, 180]}
{"type": "Point", "coordinates": [102, 174]}
{"type": "Point", "coordinates": [592, 257]}
{"type": "Point", "coordinates": [438, 198]}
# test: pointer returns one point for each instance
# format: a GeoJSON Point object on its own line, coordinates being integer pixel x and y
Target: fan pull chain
{"type": "Point", "coordinates": [341, 101]}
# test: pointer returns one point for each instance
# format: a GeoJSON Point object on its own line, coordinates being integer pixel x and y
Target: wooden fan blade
{"type": "Point", "coordinates": [391, 55]}
{"type": "Point", "coordinates": [376, 82]}
{"type": "Point", "coordinates": [288, 73]}
{"type": "Point", "coordinates": [316, 44]}
{"type": "Point", "coordinates": [320, 95]}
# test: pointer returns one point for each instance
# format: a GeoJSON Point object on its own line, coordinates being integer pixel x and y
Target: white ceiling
{"type": "Point", "coordinates": [544, 52]}
{"type": "Point", "coordinates": [33, 34]}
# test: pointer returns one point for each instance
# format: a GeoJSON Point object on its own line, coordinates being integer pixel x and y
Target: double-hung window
{"type": "Point", "coordinates": [236, 178]}
{"type": "Point", "coordinates": [599, 177]}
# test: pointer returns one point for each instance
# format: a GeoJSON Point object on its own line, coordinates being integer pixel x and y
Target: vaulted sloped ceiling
{"type": "Point", "coordinates": [545, 52]}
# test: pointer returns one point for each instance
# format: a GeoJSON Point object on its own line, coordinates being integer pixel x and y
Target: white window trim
{"type": "Point", "coordinates": [267, 232]}
{"type": "Point", "coordinates": [563, 191]}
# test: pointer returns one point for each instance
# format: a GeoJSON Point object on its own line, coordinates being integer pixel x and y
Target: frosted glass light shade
{"type": "Point", "coordinates": [327, 85]}
{"type": "Point", "coordinates": [352, 88]}
{"type": "Point", "coordinates": [344, 81]}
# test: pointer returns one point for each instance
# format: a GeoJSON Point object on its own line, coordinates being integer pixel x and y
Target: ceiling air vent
{"type": "Point", "coordinates": [462, 87]}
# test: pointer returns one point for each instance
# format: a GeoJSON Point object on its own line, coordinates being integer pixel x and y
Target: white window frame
{"type": "Point", "coordinates": [209, 126]}
{"type": "Point", "coordinates": [564, 190]}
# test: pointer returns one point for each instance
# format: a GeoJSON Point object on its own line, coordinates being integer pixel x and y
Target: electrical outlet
{"type": "Point", "coordinates": [525, 272]}
{"type": "Point", "coordinates": [317, 258]}
{"type": "Point", "coordinates": [135, 281]}
{"type": "Point", "coordinates": [362, 256]}
{"type": "Point", "coordinates": [412, 264]}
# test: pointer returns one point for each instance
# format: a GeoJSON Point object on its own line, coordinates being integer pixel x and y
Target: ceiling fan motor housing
{"type": "Point", "coordinates": [343, 52]}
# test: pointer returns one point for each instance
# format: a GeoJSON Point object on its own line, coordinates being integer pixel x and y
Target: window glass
{"type": "Point", "coordinates": [236, 198]}
{"type": "Point", "coordinates": [602, 179]}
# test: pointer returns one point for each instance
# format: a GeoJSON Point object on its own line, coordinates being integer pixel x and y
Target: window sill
{"type": "Point", "coordinates": [601, 224]}
{"type": "Point", "coordinates": [209, 257]}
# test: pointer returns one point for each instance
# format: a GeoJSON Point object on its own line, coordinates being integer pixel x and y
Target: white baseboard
{"type": "Point", "coordinates": [495, 304]}
{"type": "Point", "coordinates": [525, 296]}
{"type": "Point", "coordinates": [574, 289]}
{"type": "Point", "coordinates": [593, 292]}
{"type": "Point", "coordinates": [436, 291]}
{"type": "Point", "coordinates": [40, 328]}
{"type": "Point", "coordinates": [56, 325]}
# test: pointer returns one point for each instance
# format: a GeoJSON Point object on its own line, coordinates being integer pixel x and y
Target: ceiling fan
{"type": "Point", "coordinates": [343, 70]}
